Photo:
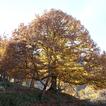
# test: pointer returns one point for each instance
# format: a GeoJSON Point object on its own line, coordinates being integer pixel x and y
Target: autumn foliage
{"type": "Point", "coordinates": [54, 47]}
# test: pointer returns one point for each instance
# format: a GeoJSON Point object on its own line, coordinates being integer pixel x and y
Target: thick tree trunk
{"type": "Point", "coordinates": [53, 86]}
{"type": "Point", "coordinates": [44, 90]}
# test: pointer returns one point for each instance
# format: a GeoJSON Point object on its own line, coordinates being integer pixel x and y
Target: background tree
{"type": "Point", "coordinates": [26, 52]}
{"type": "Point", "coordinates": [3, 46]}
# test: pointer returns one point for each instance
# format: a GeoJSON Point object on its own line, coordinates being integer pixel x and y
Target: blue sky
{"type": "Point", "coordinates": [91, 13]}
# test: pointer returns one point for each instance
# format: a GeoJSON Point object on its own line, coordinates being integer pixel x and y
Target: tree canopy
{"type": "Point", "coordinates": [54, 47]}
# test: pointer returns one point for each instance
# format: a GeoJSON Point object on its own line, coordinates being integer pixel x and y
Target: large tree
{"type": "Point", "coordinates": [56, 47]}
{"type": "Point", "coordinates": [64, 42]}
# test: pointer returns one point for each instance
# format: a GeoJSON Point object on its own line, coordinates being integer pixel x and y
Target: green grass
{"type": "Point", "coordinates": [17, 99]}
{"type": "Point", "coordinates": [18, 95]}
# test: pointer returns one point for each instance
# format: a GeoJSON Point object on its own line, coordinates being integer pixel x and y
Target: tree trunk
{"type": "Point", "coordinates": [32, 80]}
{"type": "Point", "coordinates": [32, 83]}
{"type": "Point", "coordinates": [44, 90]}
{"type": "Point", "coordinates": [4, 76]}
{"type": "Point", "coordinates": [53, 83]}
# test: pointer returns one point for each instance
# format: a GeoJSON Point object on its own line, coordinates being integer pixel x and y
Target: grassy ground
{"type": "Point", "coordinates": [16, 95]}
